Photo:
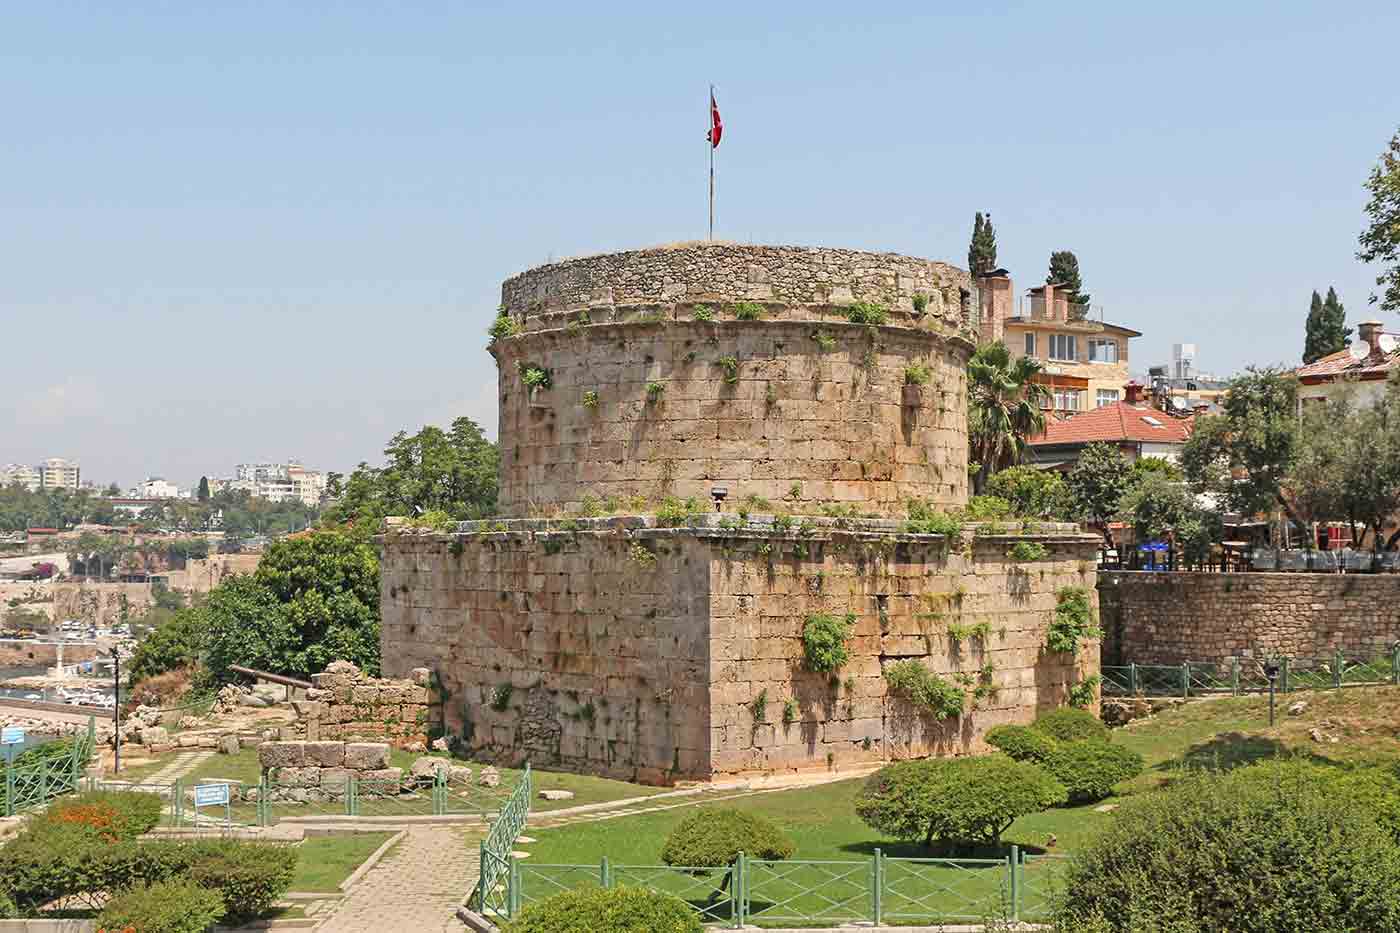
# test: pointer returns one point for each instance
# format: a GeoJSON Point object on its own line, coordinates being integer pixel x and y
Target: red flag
{"type": "Point", "coordinates": [716, 127]}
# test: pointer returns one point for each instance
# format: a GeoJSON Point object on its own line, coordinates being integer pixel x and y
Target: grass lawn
{"type": "Point", "coordinates": [135, 772]}
{"type": "Point", "coordinates": [821, 820]}
{"type": "Point", "coordinates": [325, 861]}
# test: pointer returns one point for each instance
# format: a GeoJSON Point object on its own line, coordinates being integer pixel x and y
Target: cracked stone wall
{"type": "Point", "coordinates": [623, 649]}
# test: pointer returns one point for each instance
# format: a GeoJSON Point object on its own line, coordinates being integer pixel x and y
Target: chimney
{"type": "Point", "coordinates": [1370, 334]}
{"type": "Point", "coordinates": [994, 292]}
{"type": "Point", "coordinates": [1132, 393]}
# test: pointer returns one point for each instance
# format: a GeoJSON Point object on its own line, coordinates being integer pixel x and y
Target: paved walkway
{"type": "Point", "coordinates": [417, 887]}
{"type": "Point", "coordinates": [183, 764]}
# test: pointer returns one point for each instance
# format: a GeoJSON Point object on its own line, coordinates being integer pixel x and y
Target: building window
{"type": "Point", "coordinates": [1030, 343]}
{"type": "Point", "coordinates": [1063, 347]}
{"type": "Point", "coordinates": [1103, 351]}
{"type": "Point", "coordinates": [1107, 397]}
{"type": "Point", "coordinates": [1067, 399]}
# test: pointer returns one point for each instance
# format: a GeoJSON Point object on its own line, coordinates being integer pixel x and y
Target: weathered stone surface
{"type": "Point", "coordinates": [229, 745]}
{"type": "Point", "coordinates": [282, 754]}
{"type": "Point", "coordinates": [155, 735]}
{"type": "Point", "coordinates": [366, 756]}
{"type": "Point", "coordinates": [428, 766]}
{"type": "Point", "coordinates": [556, 795]}
{"type": "Point", "coordinates": [325, 754]}
{"type": "Point", "coordinates": [490, 777]}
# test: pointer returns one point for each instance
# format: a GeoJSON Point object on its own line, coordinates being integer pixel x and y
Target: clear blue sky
{"type": "Point", "coordinates": [234, 231]}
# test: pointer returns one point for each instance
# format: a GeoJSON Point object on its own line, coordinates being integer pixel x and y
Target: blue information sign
{"type": "Point", "coordinates": [11, 735]}
{"type": "Point", "coordinates": [211, 795]}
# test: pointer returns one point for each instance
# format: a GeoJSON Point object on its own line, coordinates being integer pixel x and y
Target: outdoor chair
{"type": "Point", "coordinates": [1265, 559]}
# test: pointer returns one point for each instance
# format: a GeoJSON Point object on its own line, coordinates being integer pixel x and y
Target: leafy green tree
{"type": "Point", "coordinates": [1242, 455]}
{"type": "Point", "coordinates": [203, 494]}
{"type": "Point", "coordinates": [1314, 337]}
{"type": "Point", "coordinates": [1156, 506]}
{"type": "Point", "coordinates": [1064, 271]}
{"type": "Point", "coordinates": [453, 471]}
{"type": "Point", "coordinates": [313, 599]}
{"type": "Point", "coordinates": [982, 252]}
{"type": "Point", "coordinates": [1004, 408]}
{"type": "Point", "coordinates": [1033, 493]}
{"type": "Point", "coordinates": [177, 641]}
{"type": "Point", "coordinates": [1097, 484]}
{"type": "Point", "coordinates": [1380, 241]}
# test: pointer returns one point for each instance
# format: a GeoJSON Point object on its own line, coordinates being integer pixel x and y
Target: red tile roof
{"type": "Point", "coordinates": [1341, 363]}
{"type": "Point", "coordinates": [1121, 421]}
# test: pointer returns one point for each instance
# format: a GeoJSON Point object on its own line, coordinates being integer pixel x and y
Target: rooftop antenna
{"type": "Point", "coordinates": [1388, 343]}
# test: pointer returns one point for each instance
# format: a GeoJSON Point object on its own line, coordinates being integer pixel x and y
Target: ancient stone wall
{"type": "Point", "coordinates": [308, 771]}
{"type": "Point", "coordinates": [346, 703]}
{"type": "Point", "coordinates": [202, 575]}
{"type": "Point", "coordinates": [654, 386]}
{"type": "Point", "coordinates": [1166, 618]}
{"type": "Point", "coordinates": [101, 604]}
{"type": "Point", "coordinates": [708, 272]}
{"type": "Point", "coordinates": [656, 654]}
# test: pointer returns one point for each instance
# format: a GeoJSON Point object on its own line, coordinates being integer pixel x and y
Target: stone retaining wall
{"type": "Point", "coordinates": [319, 770]}
{"type": "Point", "coordinates": [657, 654]}
{"type": "Point", "coordinates": [1166, 618]}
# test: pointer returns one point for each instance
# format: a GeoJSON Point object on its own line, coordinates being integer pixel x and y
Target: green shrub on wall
{"type": "Point", "coordinates": [824, 641]}
{"type": "Point", "coordinates": [616, 910]}
{"type": "Point", "coordinates": [1073, 621]}
{"type": "Point", "coordinates": [922, 687]}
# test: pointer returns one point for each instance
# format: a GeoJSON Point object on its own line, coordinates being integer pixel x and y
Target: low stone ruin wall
{"type": "Point", "coordinates": [305, 771]}
{"type": "Point", "coordinates": [347, 704]}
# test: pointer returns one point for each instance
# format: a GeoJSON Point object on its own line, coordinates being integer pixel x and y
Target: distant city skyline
{"type": "Point", "coordinates": [232, 229]}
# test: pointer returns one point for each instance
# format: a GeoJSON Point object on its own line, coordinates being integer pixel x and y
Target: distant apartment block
{"type": "Point", "coordinates": [1084, 359]}
{"type": "Point", "coordinates": [26, 476]}
{"type": "Point", "coordinates": [158, 488]}
{"type": "Point", "coordinates": [276, 482]}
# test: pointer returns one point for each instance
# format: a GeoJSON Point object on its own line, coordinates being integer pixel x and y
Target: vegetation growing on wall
{"type": "Point", "coordinates": [1073, 621]}
{"type": "Point", "coordinates": [824, 641]}
{"type": "Point", "coordinates": [922, 687]}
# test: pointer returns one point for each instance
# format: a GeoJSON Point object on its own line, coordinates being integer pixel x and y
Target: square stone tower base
{"type": "Point", "coordinates": [656, 654]}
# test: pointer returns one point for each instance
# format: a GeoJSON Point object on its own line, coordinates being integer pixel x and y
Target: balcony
{"type": "Point", "coordinates": [1033, 308]}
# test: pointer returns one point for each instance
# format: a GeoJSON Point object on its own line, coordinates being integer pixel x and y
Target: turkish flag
{"type": "Point", "coordinates": [716, 126]}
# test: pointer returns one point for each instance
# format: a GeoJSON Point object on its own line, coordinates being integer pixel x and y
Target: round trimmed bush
{"type": "Point", "coordinates": [166, 907]}
{"type": "Point", "coordinates": [1071, 725]}
{"type": "Point", "coordinates": [967, 801]}
{"type": "Point", "coordinates": [249, 877]}
{"type": "Point", "coordinates": [714, 838]}
{"type": "Point", "coordinates": [1021, 742]}
{"type": "Point", "coordinates": [1259, 850]}
{"type": "Point", "coordinates": [1090, 769]}
{"type": "Point", "coordinates": [617, 910]}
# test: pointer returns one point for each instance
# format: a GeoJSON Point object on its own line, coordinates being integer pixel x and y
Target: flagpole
{"type": "Point", "coordinates": [710, 144]}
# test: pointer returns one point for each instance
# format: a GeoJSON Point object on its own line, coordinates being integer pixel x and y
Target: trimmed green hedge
{"type": "Point", "coordinates": [1022, 742]}
{"type": "Point", "coordinates": [55, 859]}
{"type": "Point", "coordinates": [617, 910]}
{"type": "Point", "coordinates": [715, 837]}
{"type": "Point", "coordinates": [1261, 849]}
{"type": "Point", "coordinates": [1090, 769]}
{"type": "Point", "coordinates": [127, 814]}
{"type": "Point", "coordinates": [166, 907]}
{"type": "Point", "coordinates": [1071, 725]}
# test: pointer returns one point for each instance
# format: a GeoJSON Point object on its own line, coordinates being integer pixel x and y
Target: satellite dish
{"type": "Point", "coordinates": [1388, 343]}
{"type": "Point", "coordinates": [1359, 351]}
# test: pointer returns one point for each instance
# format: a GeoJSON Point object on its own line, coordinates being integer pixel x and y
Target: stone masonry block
{"type": "Point", "coordinates": [282, 754]}
{"type": "Point", "coordinates": [366, 756]}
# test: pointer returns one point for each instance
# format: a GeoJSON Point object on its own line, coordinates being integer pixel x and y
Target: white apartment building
{"type": "Point", "coordinates": [26, 476]}
{"type": "Point", "coordinates": [158, 488]}
{"type": "Point", "coordinates": [57, 473]}
{"type": "Point", "coordinates": [278, 482]}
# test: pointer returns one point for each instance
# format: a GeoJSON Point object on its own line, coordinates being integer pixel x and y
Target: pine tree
{"type": "Point", "coordinates": [203, 493]}
{"type": "Point", "coordinates": [1334, 317]}
{"type": "Point", "coordinates": [982, 252]}
{"type": "Point", "coordinates": [1314, 338]}
{"type": "Point", "coordinates": [1064, 271]}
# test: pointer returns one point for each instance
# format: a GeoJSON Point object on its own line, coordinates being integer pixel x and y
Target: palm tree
{"type": "Point", "coordinates": [1003, 408]}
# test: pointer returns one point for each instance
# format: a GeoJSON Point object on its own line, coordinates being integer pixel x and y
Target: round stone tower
{"type": "Point", "coordinates": [803, 376]}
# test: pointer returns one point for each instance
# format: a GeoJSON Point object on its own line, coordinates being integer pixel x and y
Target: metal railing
{"type": "Point", "coordinates": [30, 784]}
{"type": "Point", "coordinates": [498, 886]}
{"type": "Point", "coordinates": [757, 892]}
{"type": "Point", "coordinates": [1237, 676]}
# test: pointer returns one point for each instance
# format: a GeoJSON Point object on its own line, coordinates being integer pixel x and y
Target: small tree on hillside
{"type": "Point", "coordinates": [203, 493]}
{"type": "Point", "coordinates": [982, 252]}
{"type": "Point", "coordinates": [1096, 485]}
{"type": "Point", "coordinates": [1314, 331]}
{"type": "Point", "coordinates": [1334, 316]}
{"type": "Point", "coordinates": [1380, 241]}
{"type": "Point", "coordinates": [1064, 271]}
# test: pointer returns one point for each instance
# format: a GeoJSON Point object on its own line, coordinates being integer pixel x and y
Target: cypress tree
{"type": "Point", "coordinates": [1334, 316]}
{"type": "Point", "coordinates": [1314, 337]}
{"type": "Point", "coordinates": [982, 251]}
{"type": "Point", "coordinates": [1064, 271]}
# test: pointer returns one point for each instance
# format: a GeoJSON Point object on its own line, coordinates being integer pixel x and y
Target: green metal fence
{"type": "Point", "coordinates": [34, 782]}
{"type": "Point", "coordinates": [1237, 676]}
{"type": "Point", "coordinates": [813, 893]}
{"type": "Point", "coordinates": [498, 886]}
